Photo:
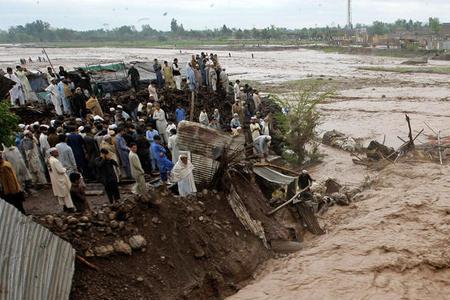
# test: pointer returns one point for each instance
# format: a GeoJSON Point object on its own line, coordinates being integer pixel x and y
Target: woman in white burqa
{"type": "Point", "coordinates": [182, 174]}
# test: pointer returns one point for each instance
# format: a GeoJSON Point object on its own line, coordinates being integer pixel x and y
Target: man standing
{"type": "Point", "coordinates": [76, 142]}
{"type": "Point", "coordinates": [152, 92]}
{"type": "Point", "coordinates": [168, 75]}
{"type": "Point", "coordinates": [12, 192]}
{"type": "Point", "coordinates": [157, 68]}
{"type": "Point", "coordinates": [29, 148]}
{"type": "Point", "coordinates": [176, 74]}
{"type": "Point", "coordinates": [22, 75]}
{"type": "Point", "coordinates": [180, 114]}
{"type": "Point", "coordinates": [123, 151]}
{"type": "Point", "coordinates": [224, 81]}
{"type": "Point", "coordinates": [156, 149]}
{"type": "Point", "coordinates": [78, 103]}
{"type": "Point", "coordinates": [255, 129]}
{"type": "Point", "coordinates": [182, 174]}
{"type": "Point", "coordinates": [107, 175]}
{"type": "Point", "coordinates": [137, 172]}
{"type": "Point", "coordinates": [237, 90]}
{"type": "Point", "coordinates": [161, 123]}
{"type": "Point", "coordinates": [305, 181]}
{"type": "Point", "coordinates": [60, 181]}
{"type": "Point", "coordinates": [54, 96]}
{"type": "Point", "coordinates": [135, 77]}
{"type": "Point", "coordinates": [65, 155]}
{"type": "Point", "coordinates": [16, 92]}
{"type": "Point", "coordinates": [43, 140]}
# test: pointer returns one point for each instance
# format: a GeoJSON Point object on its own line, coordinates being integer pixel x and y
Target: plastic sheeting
{"type": "Point", "coordinates": [35, 264]}
{"type": "Point", "coordinates": [273, 176]}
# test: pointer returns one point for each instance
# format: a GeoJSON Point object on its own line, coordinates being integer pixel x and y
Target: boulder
{"type": "Point", "coordinates": [137, 242]}
{"type": "Point", "coordinates": [330, 136]}
{"type": "Point", "coordinates": [340, 199]}
{"type": "Point", "coordinates": [121, 247]}
{"type": "Point", "coordinates": [377, 151]}
{"type": "Point", "coordinates": [103, 251]}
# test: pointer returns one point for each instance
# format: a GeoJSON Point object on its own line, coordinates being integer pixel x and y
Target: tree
{"type": "Point", "coordinates": [434, 25]}
{"type": "Point", "coordinates": [8, 124]}
{"type": "Point", "coordinates": [301, 118]}
{"type": "Point", "coordinates": [174, 26]}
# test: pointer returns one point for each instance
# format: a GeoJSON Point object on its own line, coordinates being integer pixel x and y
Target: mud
{"type": "Point", "coordinates": [391, 245]}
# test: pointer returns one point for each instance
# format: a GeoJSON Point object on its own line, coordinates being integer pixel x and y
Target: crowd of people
{"type": "Point", "coordinates": [82, 143]}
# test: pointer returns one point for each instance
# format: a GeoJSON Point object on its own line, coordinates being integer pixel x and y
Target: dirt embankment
{"type": "Point", "coordinates": [196, 249]}
{"type": "Point", "coordinates": [393, 244]}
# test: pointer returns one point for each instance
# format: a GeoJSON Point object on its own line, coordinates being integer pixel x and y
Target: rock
{"type": "Point", "coordinates": [84, 219]}
{"type": "Point", "coordinates": [89, 253]}
{"type": "Point", "coordinates": [114, 224]}
{"type": "Point", "coordinates": [383, 96]}
{"type": "Point", "coordinates": [332, 186]}
{"type": "Point", "coordinates": [205, 192]}
{"type": "Point", "coordinates": [201, 218]}
{"type": "Point", "coordinates": [199, 253]}
{"type": "Point", "coordinates": [377, 151]}
{"type": "Point", "coordinates": [112, 216]}
{"type": "Point", "coordinates": [79, 231]}
{"type": "Point", "coordinates": [49, 220]}
{"type": "Point", "coordinates": [121, 247]}
{"type": "Point", "coordinates": [340, 199]}
{"type": "Point", "coordinates": [218, 197]}
{"type": "Point", "coordinates": [329, 136]}
{"type": "Point", "coordinates": [163, 237]}
{"type": "Point", "coordinates": [137, 242]}
{"type": "Point", "coordinates": [103, 251]}
{"type": "Point", "coordinates": [72, 220]}
{"type": "Point", "coordinates": [155, 220]}
{"type": "Point", "coordinates": [139, 279]}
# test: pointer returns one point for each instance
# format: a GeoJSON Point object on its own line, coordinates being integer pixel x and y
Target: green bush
{"type": "Point", "coordinates": [8, 124]}
{"type": "Point", "coordinates": [299, 124]}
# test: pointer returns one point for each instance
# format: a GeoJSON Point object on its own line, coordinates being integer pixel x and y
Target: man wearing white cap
{"type": "Point", "coordinates": [60, 181]}
{"type": "Point", "coordinates": [29, 148]}
{"type": "Point", "coordinates": [261, 144]}
{"type": "Point", "coordinates": [43, 140]}
{"type": "Point", "coordinates": [54, 97]}
{"type": "Point", "coordinates": [255, 129]}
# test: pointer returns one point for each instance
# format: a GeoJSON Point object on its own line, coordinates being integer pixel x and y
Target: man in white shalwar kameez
{"type": "Point", "coordinates": [182, 174]}
{"type": "Point", "coordinates": [16, 92]}
{"type": "Point", "coordinates": [161, 123]}
{"type": "Point", "coordinates": [28, 92]}
{"type": "Point", "coordinates": [60, 181]}
{"type": "Point", "coordinates": [13, 155]}
{"type": "Point", "coordinates": [54, 97]}
{"type": "Point", "coordinates": [137, 172]}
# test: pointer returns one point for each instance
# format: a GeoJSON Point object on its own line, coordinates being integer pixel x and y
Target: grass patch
{"type": "Point", "coordinates": [409, 70]}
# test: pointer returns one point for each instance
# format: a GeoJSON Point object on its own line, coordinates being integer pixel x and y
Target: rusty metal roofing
{"type": "Point", "coordinates": [35, 264]}
{"type": "Point", "coordinates": [273, 176]}
{"type": "Point", "coordinates": [205, 145]}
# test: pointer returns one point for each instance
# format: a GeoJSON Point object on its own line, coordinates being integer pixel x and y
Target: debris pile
{"type": "Point", "coordinates": [339, 140]}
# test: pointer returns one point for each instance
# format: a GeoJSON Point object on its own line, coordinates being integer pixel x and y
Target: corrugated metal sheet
{"type": "Point", "coordinates": [35, 264]}
{"type": "Point", "coordinates": [205, 145]}
{"type": "Point", "coordinates": [273, 176]}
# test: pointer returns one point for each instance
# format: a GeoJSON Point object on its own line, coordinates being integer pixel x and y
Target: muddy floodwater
{"type": "Point", "coordinates": [372, 111]}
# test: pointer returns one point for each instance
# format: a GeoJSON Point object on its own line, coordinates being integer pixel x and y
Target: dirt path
{"type": "Point", "coordinates": [393, 244]}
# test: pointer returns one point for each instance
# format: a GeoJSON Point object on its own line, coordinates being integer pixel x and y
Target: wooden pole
{"type": "Point", "coordinates": [49, 61]}
{"type": "Point", "coordinates": [191, 118]}
{"type": "Point", "coordinates": [287, 202]}
{"type": "Point", "coordinates": [439, 146]}
{"type": "Point", "coordinates": [411, 141]}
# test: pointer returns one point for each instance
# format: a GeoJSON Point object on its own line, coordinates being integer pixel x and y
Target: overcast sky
{"type": "Point", "coordinates": [201, 14]}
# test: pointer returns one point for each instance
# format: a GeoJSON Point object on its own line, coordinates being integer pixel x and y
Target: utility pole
{"type": "Point", "coordinates": [349, 15]}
